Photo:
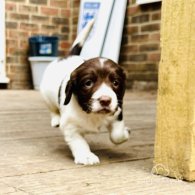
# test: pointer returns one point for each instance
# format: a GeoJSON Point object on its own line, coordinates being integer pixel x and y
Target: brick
{"type": "Point", "coordinates": [155, 37]}
{"type": "Point", "coordinates": [133, 10]}
{"type": "Point", "coordinates": [76, 3]}
{"type": "Point", "coordinates": [137, 57]}
{"type": "Point", "coordinates": [50, 28]}
{"type": "Point", "coordinates": [154, 57]}
{"type": "Point", "coordinates": [23, 59]}
{"type": "Point", "coordinates": [68, 3]}
{"type": "Point", "coordinates": [75, 20]}
{"type": "Point", "coordinates": [58, 21]}
{"type": "Point", "coordinates": [16, 16]}
{"type": "Point", "coordinates": [149, 47]}
{"type": "Point", "coordinates": [132, 29]}
{"type": "Point", "coordinates": [28, 26]}
{"type": "Point", "coordinates": [23, 45]}
{"type": "Point", "coordinates": [22, 77]}
{"type": "Point", "coordinates": [58, 3]}
{"type": "Point", "coordinates": [65, 29]}
{"type": "Point", "coordinates": [42, 19]}
{"type": "Point", "coordinates": [39, 2]}
{"type": "Point", "coordinates": [141, 67]}
{"type": "Point", "coordinates": [49, 11]}
{"type": "Point", "coordinates": [19, 69]}
{"type": "Point", "coordinates": [61, 36]}
{"type": "Point", "coordinates": [65, 13]}
{"type": "Point", "coordinates": [28, 9]}
{"type": "Point", "coordinates": [17, 35]}
{"type": "Point", "coordinates": [64, 45]}
{"type": "Point", "coordinates": [20, 52]}
{"type": "Point", "coordinates": [143, 76]}
{"type": "Point", "coordinates": [20, 1]}
{"type": "Point", "coordinates": [145, 85]}
{"type": "Point", "coordinates": [150, 27]}
{"type": "Point", "coordinates": [73, 37]}
{"type": "Point", "coordinates": [11, 25]}
{"type": "Point", "coordinates": [151, 7]}
{"type": "Point", "coordinates": [129, 48]}
{"type": "Point", "coordinates": [139, 38]}
{"type": "Point", "coordinates": [19, 85]}
{"type": "Point", "coordinates": [11, 43]}
{"type": "Point", "coordinates": [10, 6]}
{"type": "Point", "coordinates": [12, 59]}
{"type": "Point", "coordinates": [140, 18]}
{"type": "Point", "coordinates": [11, 50]}
{"type": "Point", "coordinates": [156, 16]}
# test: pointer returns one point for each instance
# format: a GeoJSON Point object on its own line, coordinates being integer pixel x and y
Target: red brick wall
{"type": "Point", "coordinates": [25, 18]}
{"type": "Point", "coordinates": [140, 50]}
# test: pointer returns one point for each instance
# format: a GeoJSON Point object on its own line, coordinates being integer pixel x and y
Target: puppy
{"type": "Point", "coordinates": [85, 96]}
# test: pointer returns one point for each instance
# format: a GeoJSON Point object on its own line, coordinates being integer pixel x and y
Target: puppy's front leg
{"type": "Point", "coordinates": [80, 149]}
{"type": "Point", "coordinates": [119, 133]}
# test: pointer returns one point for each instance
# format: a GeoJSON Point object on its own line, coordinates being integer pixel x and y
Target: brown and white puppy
{"type": "Point", "coordinates": [85, 96]}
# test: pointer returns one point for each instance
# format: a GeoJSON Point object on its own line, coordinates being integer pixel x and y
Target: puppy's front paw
{"type": "Point", "coordinates": [118, 137]}
{"type": "Point", "coordinates": [87, 159]}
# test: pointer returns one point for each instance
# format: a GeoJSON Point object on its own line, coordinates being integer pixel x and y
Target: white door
{"type": "Point", "coordinates": [105, 38]}
{"type": "Point", "coordinates": [112, 42]}
{"type": "Point", "coordinates": [101, 11]}
{"type": "Point", "coordinates": [3, 78]}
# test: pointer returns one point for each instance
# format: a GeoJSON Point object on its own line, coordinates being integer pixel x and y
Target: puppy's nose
{"type": "Point", "coordinates": [105, 100]}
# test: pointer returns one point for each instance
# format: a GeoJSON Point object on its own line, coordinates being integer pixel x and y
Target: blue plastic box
{"type": "Point", "coordinates": [43, 46]}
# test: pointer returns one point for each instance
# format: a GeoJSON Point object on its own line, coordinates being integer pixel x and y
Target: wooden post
{"type": "Point", "coordinates": [175, 133]}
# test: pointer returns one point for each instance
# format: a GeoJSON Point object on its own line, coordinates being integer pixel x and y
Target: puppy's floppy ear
{"type": "Point", "coordinates": [68, 91]}
{"type": "Point", "coordinates": [123, 73]}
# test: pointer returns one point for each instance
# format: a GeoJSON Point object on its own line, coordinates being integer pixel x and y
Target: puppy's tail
{"type": "Point", "coordinates": [81, 38]}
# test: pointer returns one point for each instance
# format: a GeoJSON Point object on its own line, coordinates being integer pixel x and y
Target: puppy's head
{"type": "Point", "coordinates": [98, 84]}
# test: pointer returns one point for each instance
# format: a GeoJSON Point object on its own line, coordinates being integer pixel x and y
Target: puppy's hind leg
{"type": "Point", "coordinates": [54, 112]}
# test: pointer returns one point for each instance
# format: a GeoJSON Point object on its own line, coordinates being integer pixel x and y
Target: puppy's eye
{"type": "Point", "coordinates": [88, 83]}
{"type": "Point", "coordinates": [115, 83]}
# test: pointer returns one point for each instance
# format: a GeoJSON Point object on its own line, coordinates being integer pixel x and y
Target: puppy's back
{"type": "Point", "coordinates": [56, 72]}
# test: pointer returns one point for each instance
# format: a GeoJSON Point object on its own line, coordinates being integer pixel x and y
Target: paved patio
{"type": "Point", "coordinates": [34, 158]}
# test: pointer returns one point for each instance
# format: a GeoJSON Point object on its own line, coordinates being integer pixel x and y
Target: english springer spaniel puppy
{"type": "Point", "coordinates": [85, 96]}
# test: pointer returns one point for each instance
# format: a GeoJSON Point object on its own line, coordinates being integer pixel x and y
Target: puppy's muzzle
{"type": "Point", "coordinates": [105, 101]}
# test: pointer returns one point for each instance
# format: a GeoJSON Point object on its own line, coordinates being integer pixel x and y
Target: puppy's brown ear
{"type": "Point", "coordinates": [68, 91]}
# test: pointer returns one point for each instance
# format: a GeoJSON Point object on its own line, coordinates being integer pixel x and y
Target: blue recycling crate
{"type": "Point", "coordinates": [43, 46]}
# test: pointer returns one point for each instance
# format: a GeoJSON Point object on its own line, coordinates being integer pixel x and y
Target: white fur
{"type": "Point", "coordinates": [102, 61]}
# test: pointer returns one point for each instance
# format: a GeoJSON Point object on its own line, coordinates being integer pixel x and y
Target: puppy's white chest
{"type": "Point", "coordinates": [95, 124]}
{"type": "Point", "coordinates": [84, 122]}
